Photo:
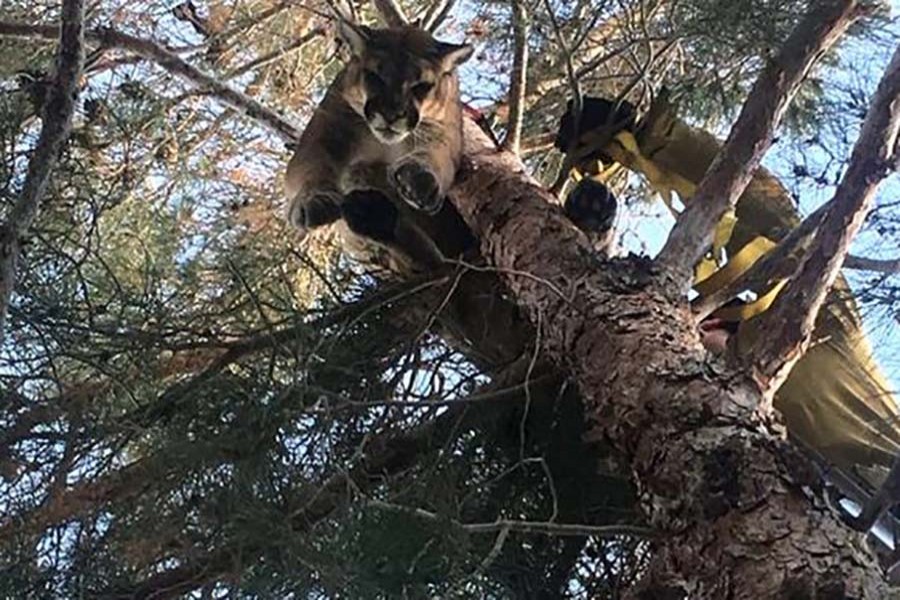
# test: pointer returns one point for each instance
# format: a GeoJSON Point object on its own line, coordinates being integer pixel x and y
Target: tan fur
{"type": "Point", "coordinates": [347, 146]}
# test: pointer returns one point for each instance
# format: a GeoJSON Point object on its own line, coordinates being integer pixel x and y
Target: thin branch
{"type": "Point", "coordinates": [391, 13]}
{"type": "Point", "coordinates": [889, 266]}
{"type": "Point", "coordinates": [560, 529]}
{"type": "Point", "coordinates": [796, 309]}
{"type": "Point", "coordinates": [436, 14]}
{"type": "Point", "coordinates": [187, 12]}
{"type": "Point", "coordinates": [175, 65]}
{"type": "Point", "coordinates": [540, 527]}
{"type": "Point", "coordinates": [57, 124]}
{"type": "Point", "coordinates": [537, 143]}
{"type": "Point", "coordinates": [342, 10]}
{"type": "Point", "coordinates": [752, 134]}
{"type": "Point", "coordinates": [577, 99]}
{"type": "Point", "coordinates": [244, 24]}
{"type": "Point", "coordinates": [517, 79]}
{"type": "Point", "coordinates": [495, 551]}
{"type": "Point", "coordinates": [297, 44]}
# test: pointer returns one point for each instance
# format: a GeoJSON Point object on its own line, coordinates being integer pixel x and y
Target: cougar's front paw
{"type": "Point", "coordinates": [591, 206]}
{"type": "Point", "coordinates": [371, 214]}
{"type": "Point", "coordinates": [417, 186]}
{"type": "Point", "coordinates": [313, 211]}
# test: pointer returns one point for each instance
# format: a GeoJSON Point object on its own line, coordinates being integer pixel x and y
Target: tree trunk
{"type": "Point", "coordinates": [714, 473]}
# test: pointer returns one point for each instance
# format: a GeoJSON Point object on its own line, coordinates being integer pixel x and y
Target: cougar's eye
{"type": "Point", "coordinates": [421, 89]}
{"type": "Point", "coordinates": [373, 80]}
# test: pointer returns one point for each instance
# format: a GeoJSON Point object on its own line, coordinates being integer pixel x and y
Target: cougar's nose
{"type": "Point", "coordinates": [393, 117]}
{"type": "Point", "coordinates": [402, 120]}
{"type": "Point", "coordinates": [383, 116]}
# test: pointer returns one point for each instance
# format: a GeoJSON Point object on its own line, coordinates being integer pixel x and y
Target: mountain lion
{"type": "Point", "coordinates": [389, 131]}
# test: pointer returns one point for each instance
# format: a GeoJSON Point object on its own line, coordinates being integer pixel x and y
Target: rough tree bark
{"type": "Point", "coordinates": [714, 472]}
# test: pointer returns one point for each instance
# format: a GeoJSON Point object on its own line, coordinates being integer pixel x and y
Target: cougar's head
{"type": "Point", "coordinates": [398, 77]}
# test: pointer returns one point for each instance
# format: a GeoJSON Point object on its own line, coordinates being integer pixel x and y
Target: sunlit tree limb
{"type": "Point", "coordinates": [752, 135]}
{"type": "Point", "coordinates": [796, 309]}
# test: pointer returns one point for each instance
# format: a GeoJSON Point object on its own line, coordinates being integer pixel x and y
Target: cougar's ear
{"type": "Point", "coordinates": [355, 36]}
{"type": "Point", "coordinates": [453, 55]}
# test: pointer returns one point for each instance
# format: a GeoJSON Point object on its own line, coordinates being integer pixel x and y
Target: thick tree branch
{"type": "Point", "coordinates": [390, 12]}
{"type": "Point", "coordinates": [782, 262]}
{"type": "Point", "coordinates": [796, 309]}
{"type": "Point", "coordinates": [517, 79]}
{"type": "Point", "coordinates": [712, 479]}
{"type": "Point", "coordinates": [175, 65]}
{"type": "Point", "coordinates": [57, 124]}
{"type": "Point", "coordinates": [752, 135]}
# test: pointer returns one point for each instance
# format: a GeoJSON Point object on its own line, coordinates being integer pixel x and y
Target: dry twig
{"type": "Point", "coordinates": [436, 14]}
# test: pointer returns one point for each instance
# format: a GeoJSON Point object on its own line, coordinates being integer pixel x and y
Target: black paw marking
{"type": "Point", "coordinates": [591, 206]}
{"type": "Point", "coordinates": [417, 186]}
{"type": "Point", "coordinates": [315, 211]}
{"type": "Point", "coordinates": [596, 113]}
{"type": "Point", "coordinates": [371, 214]}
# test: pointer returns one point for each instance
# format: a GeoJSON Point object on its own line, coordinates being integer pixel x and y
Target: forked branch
{"type": "Point", "coordinates": [794, 312]}
{"type": "Point", "coordinates": [752, 134]}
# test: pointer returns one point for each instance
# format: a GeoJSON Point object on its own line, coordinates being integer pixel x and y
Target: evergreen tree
{"type": "Point", "coordinates": [196, 403]}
